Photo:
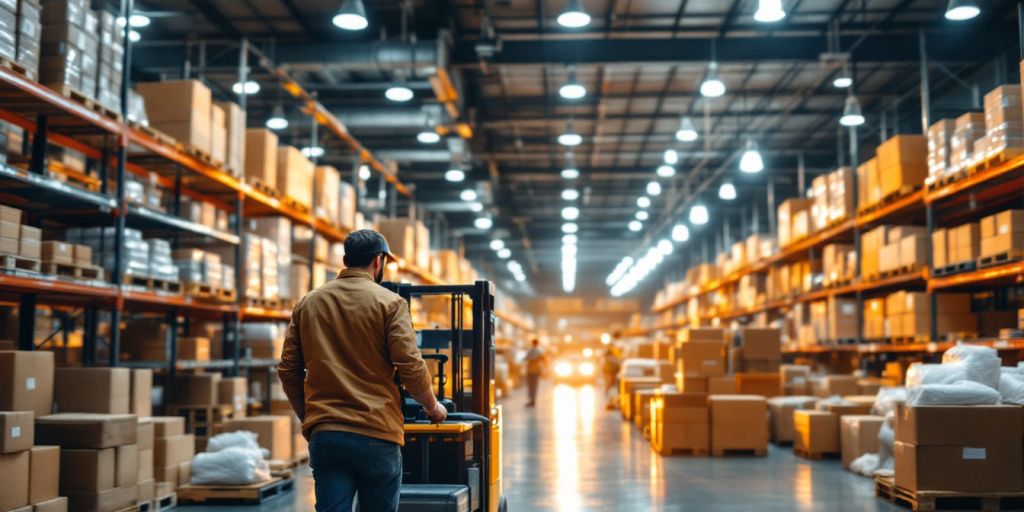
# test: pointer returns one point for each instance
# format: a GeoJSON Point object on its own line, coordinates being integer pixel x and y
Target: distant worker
{"type": "Point", "coordinates": [346, 341]}
{"type": "Point", "coordinates": [535, 362]}
{"type": "Point", "coordinates": [610, 366]}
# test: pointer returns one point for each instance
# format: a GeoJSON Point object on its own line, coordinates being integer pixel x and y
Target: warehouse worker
{"type": "Point", "coordinates": [346, 341]}
{"type": "Point", "coordinates": [535, 360]}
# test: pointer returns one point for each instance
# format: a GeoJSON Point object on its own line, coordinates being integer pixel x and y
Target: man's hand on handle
{"type": "Point", "coordinates": [438, 413]}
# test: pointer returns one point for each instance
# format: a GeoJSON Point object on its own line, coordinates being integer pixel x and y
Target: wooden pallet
{"type": "Point", "coordinates": [929, 501]}
{"type": "Point", "coordinates": [948, 179]}
{"type": "Point", "coordinates": [281, 465]}
{"type": "Point", "coordinates": [160, 504]}
{"type": "Point", "coordinates": [12, 263]}
{"type": "Point", "coordinates": [201, 420]}
{"type": "Point", "coordinates": [900, 271]}
{"type": "Point", "coordinates": [15, 66]}
{"type": "Point", "coordinates": [839, 283]}
{"type": "Point", "coordinates": [253, 494]}
{"type": "Point", "coordinates": [197, 290]}
{"type": "Point", "coordinates": [1000, 259]}
{"type": "Point", "coordinates": [957, 268]}
{"type": "Point", "coordinates": [225, 295]}
{"type": "Point", "coordinates": [751, 452]}
{"type": "Point", "coordinates": [292, 203]}
{"type": "Point", "coordinates": [681, 452]}
{"type": "Point", "coordinates": [890, 198]}
{"type": "Point", "coordinates": [157, 285]}
{"type": "Point", "coordinates": [815, 455]}
{"type": "Point", "coordinates": [254, 302]}
{"type": "Point", "coordinates": [998, 159]}
{"type": "Point", "coordinates": [86, 100]}
{"type": "Point", "coordinates": [78, 272]}
{"type": "Point", "coordinates": [258, 185]}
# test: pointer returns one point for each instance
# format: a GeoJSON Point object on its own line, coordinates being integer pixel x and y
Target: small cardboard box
{"type": "Point", "coordinates": [104, 501]}
{"type": "Point", "coordinates": [82, 254]}
{"type": "Point", "coordinates": [173, 450]}
{"type": "Point", "coordinates": [964, 243]}
{"type": "Point", "coordinates": [87, 470]}
{"type": "Point", "coordinates": [701, 359]}
{"type": "Point", "coordinates": [261, 156]}
{"type": "Point", "coordinates": [87, 430]}
{"type": "Point", "coordinates": [98, 390]}
{"type": "Point", "coordinates": [816, 432]}
{"type": "Point", "coordinates": [16, 431]}
{"type": "Point", "coordinates": [166, 426]}
{"type": "Point", "coordinates": [738, 422]}
{"type": "Point", "coordinates": [273, 433]}
{"type": "Point", "coordinates": [722, 385]}
{"type": "Point", "coordinates": [58, 252]}
{"type": "Point", "coordinates": [780, 411]}
{"type": "Point", "coordinates": [196, 389]}
{"type": "Point", "coordinates": [858, 435]}
{"type": "Point", "coordinates": [126, 464]}
{"type": "Point", "coordinates": [15, 468]}
{"type": "Point", "coordinates": [44, 473]}
{"type": "Point", "coordinates": [141, 393]}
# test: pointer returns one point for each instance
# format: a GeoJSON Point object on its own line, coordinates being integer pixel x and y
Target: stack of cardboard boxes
{"type": "Point", "coordinates": [172, 453]}
{"type": "Point", "coordinates": [1002, 236]}
{"type": "Point", "coordinates": [182, 109]}
{"type": "Point", "coordinates": [27, 44]}
{"type": "Point", "coordinates": [953, 247]}
{"type": "Point", "coordinates": [906, 249]}
{"type": "Point", "coordinates": [793, 220]}
{"type": "Point", "coordinates": [839, 264]}
{"type": "Point", "coordinates": [295, 176]}
{"type": "Point", "coordinates": [869, 189]}
{"type": "Point", "coordinates": [969, 129]}
{"type": "Point", "coordinates": [700, 357]}
{"type": "Point", "coordinates": [902, 164]}
{"type": "Point", "coordinates": [680, 423]}
{"type": "Point", "coordinates": [940, 149]}
{"type": "Point", "coordinates": [1004, 121]}
{"type": "Point", "coordinates": [17, 239]}
{"type": "Point", "coordinates": [782, 429]}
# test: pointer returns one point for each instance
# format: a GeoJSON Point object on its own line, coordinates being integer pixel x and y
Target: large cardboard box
{"type": "Point", "coordinates": [261, 156]}
{"type": "Point", "coordinates": [200, 389]}
{"type": "Point", "coordinates": [787, 214]}
{"type": "Point", "coordinates": [16, 431]}
{"type": "Point", "coordinates": [701, 359]}
{"type": "Point", "coordinates": [175, 100]}
{"type": "Point", "coordinates": [964, 243]}
{"type": "Point", "coordinates": [173, 450]}
{"type": "Point", "coordinates": [105, 501]}
{"type": "Point", "coordinates": [722, 385]}
{"type": "Point", "coordinates": [87, 470]}
{"type": "Point", "coordinates": [914, 251]}
{"type": "Point", "coordinates": [858, 435]}
{"type": "Point", "coordinates": [87, 430]}
{"type": "Point", "coordinates": [841, 385]}
{"type": "Point", "coordinates": [233, 391]}
{"type": "Point", "coordinates": [44, 473]}
{"type": "Point", "coordinates": [295, 175]}
{"type": "Point", "coordinates": [126, 464]}
{"type": "Point", "coordinates": [780, 411]}
{"type": "Point", "coordinates": [761, 344]}
{"type": "Point", "coordinates": [691, 384]}
{"type": "Point", "coordinates": [817, 432]}
{"type": "Point", "coordinates": [166, 426]}
{"type": "Point", "coordinates": [142, 393]}
{"type": "Point", "coordinates": [97, 390]}
{"type": "Point", "coordinates": [15, 469]}
{"type": "Point", "coordinates": [401, 237]}
{"type": "Point", "coordinates": [679, 422]}
{"type": "Point", "coordinates": [273, 433]}
{"type": "Point", "coordinates": [738, 422]}
{"type": "Point", "coordinates": [902, 163]}
{"type": "Point", "coordinates": [628, 387]}
{"type": "Point", "coordinates": [59, 504]}
{"type": "Point", "coordinates": [762, 384]}
{"type": "Point", "coordinates": [26, 381]}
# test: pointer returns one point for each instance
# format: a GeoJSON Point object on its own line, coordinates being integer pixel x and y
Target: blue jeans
{"type": "Point", "coordinates": [346, 464]}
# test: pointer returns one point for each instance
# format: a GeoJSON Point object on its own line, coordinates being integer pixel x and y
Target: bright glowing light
{"type": "Point", "coordinates": [563, 369]}
{"type": "Point", "coordinates": [671, 156]}
{"type": "Point", "coordinates": [572, 89]}
{"type": "Point", "coordinates": [504, 253]}
{"type": "Point", "coordinates": [570, 194]}
{"type": "Point", "coordinates": [643, 202]}
{"type": "Point", "coordinates": [852, 115]}
{"type": "Point", "coordinates": [751, 161]}
{"type": "Point", "coordinates": [587, 368]}
{"type": "Point", "coordinates": [250, 87]}
{"type": "Point", "coordinates": [666, 247]}
{"type": "Point", "coordinates": [699, 215]}
{"type": "Point", "coordinates": [138, 21]}
{"type": "Point", "coordinates": [399, 93]}
{"type": "Point", "coordinates": [712, 87]}
{"type": "Point", "coordinates": [588, 352]}
{"type": "Point", "coordinates": [497, 244]}
{"type": "Point", "coordinates": [635, 225]}
{"type": "Point", "coordinates": [570, 139]}
{"type": "Point", "coordinates": [769, 11]}
{"type": "Point", "coordinates": [962, 10]}
{"type": "Point", "coordinates": [468, 195]}
{"type": "Point", "coordinates": [606, 339]}
{"type": "Point", "coordinates": [642, 215]}
{"type": "Point", "coordinates": [313, 151]}
{"type": "Point", "coordinates": [654, 188]}
{"type": "Point", "coordinates": [476, 207]}
{"type": "Point", "coordinates": [666, 171]}
{"type": "Point", "coordinates": [680, 233]}
{"type": "Point", "coordinates": [428, 137]}
{"type": "Point", "coordinates": [134, 36]}
{"type": "Point", "coordinates": [277, 120]}
{"type": "Point", "coordinates": [574, 16]}
{"type": "Point", "coordinates": [570, 173]}
{"type": "Point", "coordinates": [483, 223]}
{"type": "Point", "coordinates": [843, 80]}
{"type": "Point", "coordinates": [454, 175]}
{"type": "Point", "coordinates": [570, 213]}
{"type": "Point", "coordinates": [727, 191]}
{"type": "Point", "coordinates": [364, 172]}
{"type": "Point", "coordinates": [570, 239]}
{"type": "Point", "coordinates": [351, 16]}
{"type": "Point", "coordinates": [687, 132]}
{"type": "Point", "coordinates": [570, 228]}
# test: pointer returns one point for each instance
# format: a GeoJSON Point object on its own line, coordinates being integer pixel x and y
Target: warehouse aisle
{"type": "Point", "coordinates": [570, 454]}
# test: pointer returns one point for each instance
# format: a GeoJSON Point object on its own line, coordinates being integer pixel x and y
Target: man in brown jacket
{"type": "Point", "coordinates": [346, 341]}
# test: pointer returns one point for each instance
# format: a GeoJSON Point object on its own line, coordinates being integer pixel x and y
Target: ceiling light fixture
{"type": "Point", "coordinates": [574, 16]}
{"type": "Point", "coordinates": [497, 244]}
{"type": "Point", "coordinates": [572, 89]}
{"type": "Point", "coordinates": [483, 223]}
{"type": "Point", "coordinates": [852, 114]}
{"type": "Point", "coordinates": [570, 194]}
{"type": "Point", "coordinates": [843, 79]}
{"type": "Point", "coordinates": [665, 246]}
{"type": "Point", "coordinates": [751, 161]}
{"type": "Point", "coordinates": [137, 21]}
{"type": "Point", "coordinates": [643, 202]}
{"type": "Point", "coordinates": [570, 228]}
{"type": "Point", "coordinates": [687, 132]}
{"type": "Point", "coordinates": [312, 151]}
{"type": "Point", "coordinates": [570, 171]}
{"type": "Point", "coordinates": [712, 87]}
{"type": "Point", "coordinates": [428, 137]}
{"type": "Point", "coordinates": [351, 16]}
{"type": "Point", "coordinates": [699, 215]}
{"type": "Point", "coordinates": [642, 215]}
{"type": "Point", "coordinates": [727, 191]}
{"type": "Point", "coordinates": [468, 195]}
{"type": "Point", "coordinates": [666, 171]}
{"type": "Point", "coordinates": [399, 93]}
{"type": "Point", "coordinates": [454, 175]}
{"type": "Point", "coordinates": [570, 213]}
{"type": "Point", "coordinates": [654, 188]}
{"type": "Point", "coordinates": [569, 137]}
{"type": "Point", "coordinates": [504, 253]}
{"type": "Point", "coordinates": [249, 88]}
{"type": "Point", "coordinates": [277, 120]}
{"type": "Point", "coordinates": [680, 233]}
{"type": "Point", "coordinates": [570, 239]}
{"type": "Point", "coordinates": [134, 36]}
{"type": "Point", "coordinates": [635, 225]}
{"type": "Point", "coordinates": [476, 207]}
{"type": "Point", "coordinates": [364, 172]}
{"type": "Point", "coordinates": [769, 11]}
{"type": "Point", "coordinates": [671, 156]}
{"type": "Point", "coordinates": [962, 10]}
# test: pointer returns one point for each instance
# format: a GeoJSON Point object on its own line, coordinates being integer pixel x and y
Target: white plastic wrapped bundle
{"type": "Point", "coordinates": [982, 363]}
{"type": "Point", "coordinates": [964, 392]}
{"type": "Point", "coordinates": [230, 466]}
{"type": "Point", "coordinates": [1011, 386]}
{"type": "Point", "coordinates": [832, 400]}
{"type": "Point", "coordinates": [886, 442]}
{"type": "Point", "coordinates": [886, 400]}
{"type": "Point", "coordinates": [238, 439]}
{"type": "Point", "coordinates": [920, 374]}
{"type": "Point", "coordinates": [866, 464]}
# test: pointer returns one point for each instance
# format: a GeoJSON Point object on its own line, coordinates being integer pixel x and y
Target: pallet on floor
{"type": "Point", "coordinates": [160, 504]}
{"type": "Point", "coordinates": [252, 494]}
{"type": "Point", "coordinates": [1000, 259]}
{"type": "Point", "coordinates": [78, 272]}
{"type": "Point", "coordinates": [928, 501]}
{"type": "Point", "coordinates": [11, 263]}
{"type": "Point", "coordinates": [815, 455]}
{"type": "Point", "coordinates": [740, 452]}
{"type": "Point", "coordinates": [681, 452]}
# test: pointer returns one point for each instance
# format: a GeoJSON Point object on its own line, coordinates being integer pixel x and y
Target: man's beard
{"type": "Point", "coordinates": [380, 275]}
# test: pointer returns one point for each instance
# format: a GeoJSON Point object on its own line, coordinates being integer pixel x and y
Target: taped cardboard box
{"type": "Point", "coordinates": [858, 435]}
{"type": "Point", "coordinates": [16, 431]}
{"type": "Point", "coordinates": [26, 381]}
{"type": "Point", "coordinates": [15, 468]}
{"type": "Point", "coordinates": [92, 390]}
{"type": "Point", "coordinates": [87, 430]}
{"type": "Point", "coordinates": [738, 422]}
{"type": "Point", "coordinates": [780, 411]}
{"type": "Point", "coordinates": [44, 473]}
{"type": "Point", "coordinates": [87, 470]}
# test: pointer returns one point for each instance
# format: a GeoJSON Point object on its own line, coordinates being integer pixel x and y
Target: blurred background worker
{"type": "Point", "coordinates": [346, 341]}
{"type": "Point", "coordinates": [610, 368]}
{"type": "Point", "coordinates": [535, 362]}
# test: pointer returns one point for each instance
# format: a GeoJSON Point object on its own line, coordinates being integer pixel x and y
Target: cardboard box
{"type": "Point", "coordinates": [940, 251]}
{"type": "Point", "coordinates": [58, 252]}
{"type": "Point", "coordinates": [679, 421]}
{"type": "Point", "coordinates": [816, 432]}
{"type": "Point", "coordinates": [869, 189]}
{"type": "Point", "coordinates": [141, 393]}
{"type": "Point", "coordinates": [44, 473]}
{"type": "Point", "coordinates": [326, 180]}
{"type": "Point", "coordinates": [759, 383]}
{"type": "Point", "coordinates": [196, 389]}
{"type": "Point", "coordinates": [87, 470]}
{"type": "Point", "coordinates": [964, 243]}
{"type": "Point", "coordinates": [858, 434]}
{"type": "Point", "coordinates": [914, 251]}
{"type": "Point", "coordinates": [105, 501]}
{"type": "Point", "coordinates": [902, 163]}
{"type": "Point", "coordinates": [185, 473]}
{"type": "Point", "coordinates": [273, 433]}
{"type": "Point", "coordinates": [218, 134]}
{"type": "Point", "coordinates": [15, 468]}
{"type": "Point", "coordinates": [11, 215]}
{"type": "Point", "coordinates": [780, 412]}
{"type": "Point", "coordinates": [706, 334]}
{"type": "Point", "coordinates": [147, 490]}
{"type": "Point", "coordinates": [986, 467]}
{"type": "Point", "coordinates": [787, 214]}
{"type": "Point", "coordinates": [401, 236]}
{"type": "Point", "coordinates": [26, 381]}
{"type": "Point", "coordinates": [234, 123]}
{"type": "Point", "coordinates": [738, 422]}
{"type": "Point", "coordinates": [1002, 244]}
{"type": "Point", "coordinates": [167, 426]}
{"type": "Point", "coordinates": [16, 431]}
{"type": "Point", "coordinates": [59, 504]}
{"type": "Point", "coordinates": [295, 175]}
{"type": "Point", "coordinates": [840, 385]}
{"type": "Point", "coordinates": [722, 385]}
{"type": "Point", "coordinates": [194, 348]}
{"type": "Point", "coordinates": [233, 391]}
{"type": "Point", "coordinates": [86, 430]}
{"type": "Point", "coordinates": [261, 157]}
{"type": "Point", "coordinates": [701, 359]}
{"type": "Point", "coordinates": [146, 464]}
{"type": "Point", "coordinates": [173, 450]}
{"type": "Point", "coordinates": [166, 474]}
{"type": "Point", "coordinates": [82, 254]}
{"type": "Point", "coordinates": [97, 390]}
{"type": "Point", "coordinates": [761, 344]}
{"type": "Point", "coordinates": [126, 463]}
{"type": "Point", "coordinates": [691, 384]}
{"type": "Point", "coordinates": [175, 100]}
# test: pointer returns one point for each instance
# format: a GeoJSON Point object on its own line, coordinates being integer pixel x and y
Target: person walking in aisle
{"type": "Point", "coordinates": [535, 362]}
{"type": "Point", "coordinates": [345, 342]}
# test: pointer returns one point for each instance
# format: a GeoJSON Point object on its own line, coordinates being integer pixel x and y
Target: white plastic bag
{"type": "Point", "coordinates": [238, 439]}
{"type": "Point", "coordinates": [964, 392]}
{"type": "Point", "coordinates": [866, 464]}
{"type": "Point", "coordinates": [981, 363]}
{"type": "Point", "coordinates": [886, 442]}
{"type": "Point", "coordinates": [920, 374]}
{"type": "Point", "coordinates": [230, 466]}
{"type": "Point", "coordinates": [887, 399]}
{"type": "Point", "coordinates": [1011, 386]}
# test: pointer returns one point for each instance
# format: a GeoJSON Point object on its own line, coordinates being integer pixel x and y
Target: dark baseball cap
{"type": "Point", "coordinates": [367, 243]}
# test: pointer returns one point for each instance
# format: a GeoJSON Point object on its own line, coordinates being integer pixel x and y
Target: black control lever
{"type": "Point", "coordinates": [442, 360]}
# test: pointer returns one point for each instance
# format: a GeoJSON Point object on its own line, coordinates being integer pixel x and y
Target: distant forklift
{"type": "Point", "coordinates": [455, 466]}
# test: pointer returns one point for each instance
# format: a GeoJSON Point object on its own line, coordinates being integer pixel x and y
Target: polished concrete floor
{"type": "Point", "coordinates": [569, 454]}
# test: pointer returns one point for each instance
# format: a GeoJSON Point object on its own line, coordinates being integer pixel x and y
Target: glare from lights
{"type": "Point", "coordinates": [654, 188]}
{"type": "Point", "coordinates": [454, 175]}
{"type": "Point", "coordinates": [751, 161]}
{"type": "Point", "coordinates": [727, 191]}
{"type": "Point", "coordinates": [570, 194]}
{"type": "Point", "coordinates": [680, 233]}
{"type": "Point", "coordinates": [476, 207]}
{"type": "Point", "coordinates": [642, 215]}
{"type": "Point", "coordinates": [570, 239]}
{"type": "Point", "coordinates": [687, 132]}
{"type": "Point", "coordinates": [570, 228]}
{"type": "Point", "coordinates": [769, 11]}
{"type": "Point", "coordinates": [572, 89]}
{"type": "Point", "coordinates": [643, 202]}
{"type": "Point", "coordinates": [134, 36]}
{"type": "Point", "coordinates": [699, 215]}
{"type": "Point", "coordinates": [712, 87]}
{"type": "Point", "coordinates": [570, 213]}
{"type": "Point", "coordinates": [635, 225]}
{"type": "Point", "coordinates": [666, 171]}
{"type": "Point", "coordinates": [671, 157]}
{"type": "Point", "coordinates": [606, 339]}
{"type": "Point", "coordinates": [351, 16]}
{"type": "Point", "coordinates": [666, 247]}
{"type": "Point", "coordinates": [962, 10]}
{"type": "Point", "coordinates": [249, 88]}
{"type": "Point", "coordinates": [619, 271]}
{"type": "Point", "coordinates": [468, 195]}
{"type": "Point", "coordinates": [399, 93]}
{"type": "Point", "coordinates": [138, 21]}
{"type": "Point", "coordinates": [483, 223]}
{"type": "Point", "coordinates": [428, 137]}
{"type": "Point", "coordinates": [505, 253]}
{"type": "Point", "coordinates": [574, 16]}
{"type": "Point", "coordinates": [364, 172]}
{"type": "Point", "coordinates": [277, 120]}
{"type": "Point", "coordinates": [852, 114]}
{"type": "Point", "coordinates": [313, 152]}
{"type": "Point", "coordinates": [497, 244]}
{"type": "Point", "coordinates": [570, 139]}
{"type": "Point", "coordinates": [843, 79]}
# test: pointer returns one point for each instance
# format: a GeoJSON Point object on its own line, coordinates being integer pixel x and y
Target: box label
{"type": "Point", "coordinates": [15, 432]}
{"type": "Point", "coordinates": [710, 362]}
{"type": "Point", "coordinates": [30, 383]}
{"type": "Point", "coordinates": [974, 453]}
